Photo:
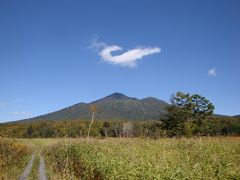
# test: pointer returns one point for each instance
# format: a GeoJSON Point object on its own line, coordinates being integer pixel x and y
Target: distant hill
{"type": "Point", "coordinates": [116, 106]}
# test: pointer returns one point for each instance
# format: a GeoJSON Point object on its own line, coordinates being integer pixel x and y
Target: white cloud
{"type": "Point", "coordinates": [212, 72]}
{"type": "Point", "coordinates": [21, 113]}
{"type": "Point", "coordinates": [128, 58]}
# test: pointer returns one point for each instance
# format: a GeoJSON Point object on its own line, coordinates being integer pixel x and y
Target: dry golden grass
{"type": "Point", "coordinates": [204, 158]}
{"type": "Point", "coordinates": [14, 155]}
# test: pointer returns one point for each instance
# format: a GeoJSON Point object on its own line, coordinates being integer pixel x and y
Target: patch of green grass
{"type": "Point", "coordinates": [39, 143]}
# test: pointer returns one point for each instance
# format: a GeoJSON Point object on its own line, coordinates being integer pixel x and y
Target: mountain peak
{"type": "Point", "coordinates": [117, 96]}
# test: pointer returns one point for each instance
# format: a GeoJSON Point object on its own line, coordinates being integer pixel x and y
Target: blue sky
{"type": "Point", "coordinates": [57, 53]}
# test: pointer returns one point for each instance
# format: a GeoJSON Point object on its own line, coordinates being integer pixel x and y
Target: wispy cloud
{"type": "Point", "coordinates": [96, 45]}
{"type": "Point", "coordinates": [127, 59]}
{"type": "Point", "coordinates": [212, 72]}
{"type": "Point", "coordinates": [22, 113]}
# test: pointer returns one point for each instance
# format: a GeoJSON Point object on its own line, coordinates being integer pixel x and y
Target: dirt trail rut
{"type": "Point", "coordinates": [41, 170]}
{"type": "Point", "coordinates": [27, 169]}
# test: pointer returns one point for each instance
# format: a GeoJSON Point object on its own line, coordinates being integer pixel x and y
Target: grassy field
{"type": "Point", "coordinates": [205, 158]}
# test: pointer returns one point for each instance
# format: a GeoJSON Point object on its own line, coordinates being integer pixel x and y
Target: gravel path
{"type": "Point", "coordinates": [27, 169]}
{"type": "Point", "coordinates": [41, 170]}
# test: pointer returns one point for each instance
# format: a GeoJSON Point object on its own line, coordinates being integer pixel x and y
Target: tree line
{"type": "Point", "coordinates": [212, 126]}
{"type": "Point", "coordinates": [188, 115]}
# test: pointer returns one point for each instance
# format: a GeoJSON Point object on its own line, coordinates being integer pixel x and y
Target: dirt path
{"type": "Point", "coordinates": [41, 170]}
{"type": "Point", "coordinates": [27, 169]}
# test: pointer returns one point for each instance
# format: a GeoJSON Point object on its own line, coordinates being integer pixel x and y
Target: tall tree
{"type": "Point", "coordinates": [186, 108]}
{"type": "Point", "coordinates": [201, 108]}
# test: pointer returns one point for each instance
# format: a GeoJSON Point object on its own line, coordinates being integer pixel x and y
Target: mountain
{"type": "Point", "coordinates": [116, 106]}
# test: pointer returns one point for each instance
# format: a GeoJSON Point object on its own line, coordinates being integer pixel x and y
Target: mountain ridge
{"type": "Point", "coordinates": [116, 106]}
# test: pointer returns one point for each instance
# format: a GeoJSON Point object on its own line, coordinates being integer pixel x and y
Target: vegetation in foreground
{"type": "Point", "coordinates": [203, 158]}
{"type": "Point", "coordinates": [14, 155]}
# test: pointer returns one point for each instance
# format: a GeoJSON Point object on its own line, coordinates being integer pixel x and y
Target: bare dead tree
{"type": "Point", "coordinates": [93, 109]}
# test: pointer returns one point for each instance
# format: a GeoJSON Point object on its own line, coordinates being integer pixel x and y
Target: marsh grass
{"type": "Point", "coordinates": [124, 158]}
{"type": "Point", "coordinates": [203, 158]}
